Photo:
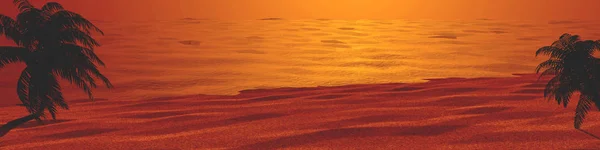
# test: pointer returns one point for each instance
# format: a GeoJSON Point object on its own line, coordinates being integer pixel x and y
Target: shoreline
{"type": "Point", "coordinates": [267, 91]}
{"type": "Point", "coordinates": [455, 113]}
{"type": "Point", "coordinates": [81, 97]}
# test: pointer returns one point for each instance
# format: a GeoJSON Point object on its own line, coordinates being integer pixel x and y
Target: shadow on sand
{"type": "Point", "coordinates": [590, 134]}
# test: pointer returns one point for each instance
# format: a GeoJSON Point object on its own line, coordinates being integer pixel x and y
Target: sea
{"type": "Point", "coordinates": [191, 56]}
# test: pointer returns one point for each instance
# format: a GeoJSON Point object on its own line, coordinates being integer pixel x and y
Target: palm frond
{"type": "Point", "coordinates": [77, 77]}
{"type": "Point", "coordinates": [75, 36]}
{"type": "Point", "coordinates": [23, 90]}
{"type": "Point", "coordinates": [559, 44]}
{"type": "Point", "coordinates": [77, 66]}
{"type": "Point", "coordinates": [551, 87]}
{"type": "Point", "coordinates": [550, 50]}
{"type": "Point", "coordinates": [35, 92]}
{"type": "Point", "coordinates": [30, 24]}
{"type": "Point", "coordinates": [31, 17]}
{"type": "Point", "coordinates": [52, 7]}
{"type": "Point", "coordinates": [23, 5]}
{"type": "Point", "coordinates": [564, 35]}
{"type": "Point", "coordinates": [563, 94]}
{"type": "Point", "coordinates": [566, 42]}
{"type": "Point", "coordinates": [587, 46]}
{"type": "Point", "coordinates": [12, 55]}
{"type": "Point", "coordinates": [560, 88]}
{"type": "Point", "coordinates": [553, 51]}
{"type": "Point", "coordinates": [596, 99]}
{"type": "Point", "coordinates": [78, 50]}
{"type": "Point", "coordinates": [8, 28]}
{"type": "Point", "coordinates": [549, 71]}
{"type": "Point", "coordinates": [596, 44]}
{"type": "Point", "coordinates": [57, 96]}
{"type": "Point", "coordinates": [551, 64]}
{"type": "Point", "coordinates": [84, 60]}
{"type": "Point", "coordinates": [44, 90]}
{"type": "Point", "coordinates": [582, 109]}
{"type": "Point", "coordinates": [69, 20]}
{"type": "Point", "coordinates": [92, 69]}
{"type": "Point", "coordinates": [54, 95]}
{"type": "Point", "coordinates": [574, 39]}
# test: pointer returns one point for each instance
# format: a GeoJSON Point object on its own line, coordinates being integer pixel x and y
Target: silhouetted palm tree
{"type": "Point", "coordinates": [53, 43]}
{"type": "Point", "coordinates": [575, 70]}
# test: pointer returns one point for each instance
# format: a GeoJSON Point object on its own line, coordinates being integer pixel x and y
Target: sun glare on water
{"type": "Point", "coordinates": [191, 56]}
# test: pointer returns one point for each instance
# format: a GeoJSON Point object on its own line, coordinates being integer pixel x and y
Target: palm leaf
{"type": "Point", "coordinates": [549, 71]}
{"type": "Point", "coordinates": [84, 59]}
{"type": "Point", "coordinates": [563, 95]}
{"type": "Point", "coordinates": [54, 96]}
{"type": "Point", "coordinates": [75, 36]}
{"type": "Point", "coordinates": [573, 39]}
{"type": "Point", "coordinates": [78, 50]}
{"type": "Point", "coordinates": [550, 50]}
{"type": "Point", "coordinates": [31, 26]}
{"type": "Point", "coordinates": [582, 109]}
{"type": "Point", "coordinates": [36, 91]}
{"type": "Point", "coordinates": [587, 46]}
{"type": "Point", "coordinates": [92, 69]}
{"type": "Point", "coordinates": [31, 18]}
{"type": "Point", "coordinates": [77, 66]}
{"type": "Point", "coordinates": [8, 28]}
{"type": "Point", "coordinates": [564, 35]}
{"type": "Point", "coordinates": [560, 88]}
{"type": "Point", "coordinates": [52, 7]}
{"type": "Point", "coordinates": [77, 77]}
{"type": "Point", "coordinates": [23, 90]}
{"type": "Point", "coordinates": [69, 20]}
{"type": "Point", "coordinates": [551, 64]}
{"type": "Point", "coordinates": [596, 100]}
{"type": "Point", "coordinates": [44, 91]}
{"type": "Point", "coordinates": [566, 42]}
{"type": "Point", "coordinates": [23, 5]}
{"type": "Point", "coordinates": [10, 55]}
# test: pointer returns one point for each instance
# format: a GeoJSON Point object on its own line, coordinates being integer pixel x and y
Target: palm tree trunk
{"type": "Point", "coordinates": [15, 123]}
{"type": "Point", "coordinates": [4, 129]}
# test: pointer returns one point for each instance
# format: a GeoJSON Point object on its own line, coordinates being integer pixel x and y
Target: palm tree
{"type": "Point", "coordinates": [54, 43]}
{"type": "Point", "coordinates": [575, 71]}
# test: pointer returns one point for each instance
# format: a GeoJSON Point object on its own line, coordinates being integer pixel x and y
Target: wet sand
{"type": "Point", "coordinates": [449, 113]}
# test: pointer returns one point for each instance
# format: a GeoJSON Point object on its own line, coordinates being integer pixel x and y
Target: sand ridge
{"type": "Point", "coordinates": [450, 113]}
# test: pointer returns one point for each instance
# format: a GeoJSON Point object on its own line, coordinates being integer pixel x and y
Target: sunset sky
{"type": "Point", "coordinates": [333, 9]}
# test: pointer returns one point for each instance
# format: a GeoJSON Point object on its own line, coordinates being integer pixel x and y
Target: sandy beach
{"type": "Point", "coordinates": [449, 113]}
{"type": "Point", "coordinates": [299, 74]}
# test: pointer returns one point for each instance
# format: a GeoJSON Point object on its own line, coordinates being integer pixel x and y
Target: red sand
{"type": "Point", "coordinates": [454, 113]}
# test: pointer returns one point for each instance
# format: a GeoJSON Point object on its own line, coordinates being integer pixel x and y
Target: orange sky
{"type": "Point", "coordinates": [334, 9]}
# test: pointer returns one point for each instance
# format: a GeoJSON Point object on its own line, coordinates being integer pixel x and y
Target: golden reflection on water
{"type": "Point", "coordinates": [149, 59]}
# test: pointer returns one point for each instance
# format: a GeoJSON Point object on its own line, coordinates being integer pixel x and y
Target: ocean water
{"type": "Point", "coordinates": [196, 56]}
